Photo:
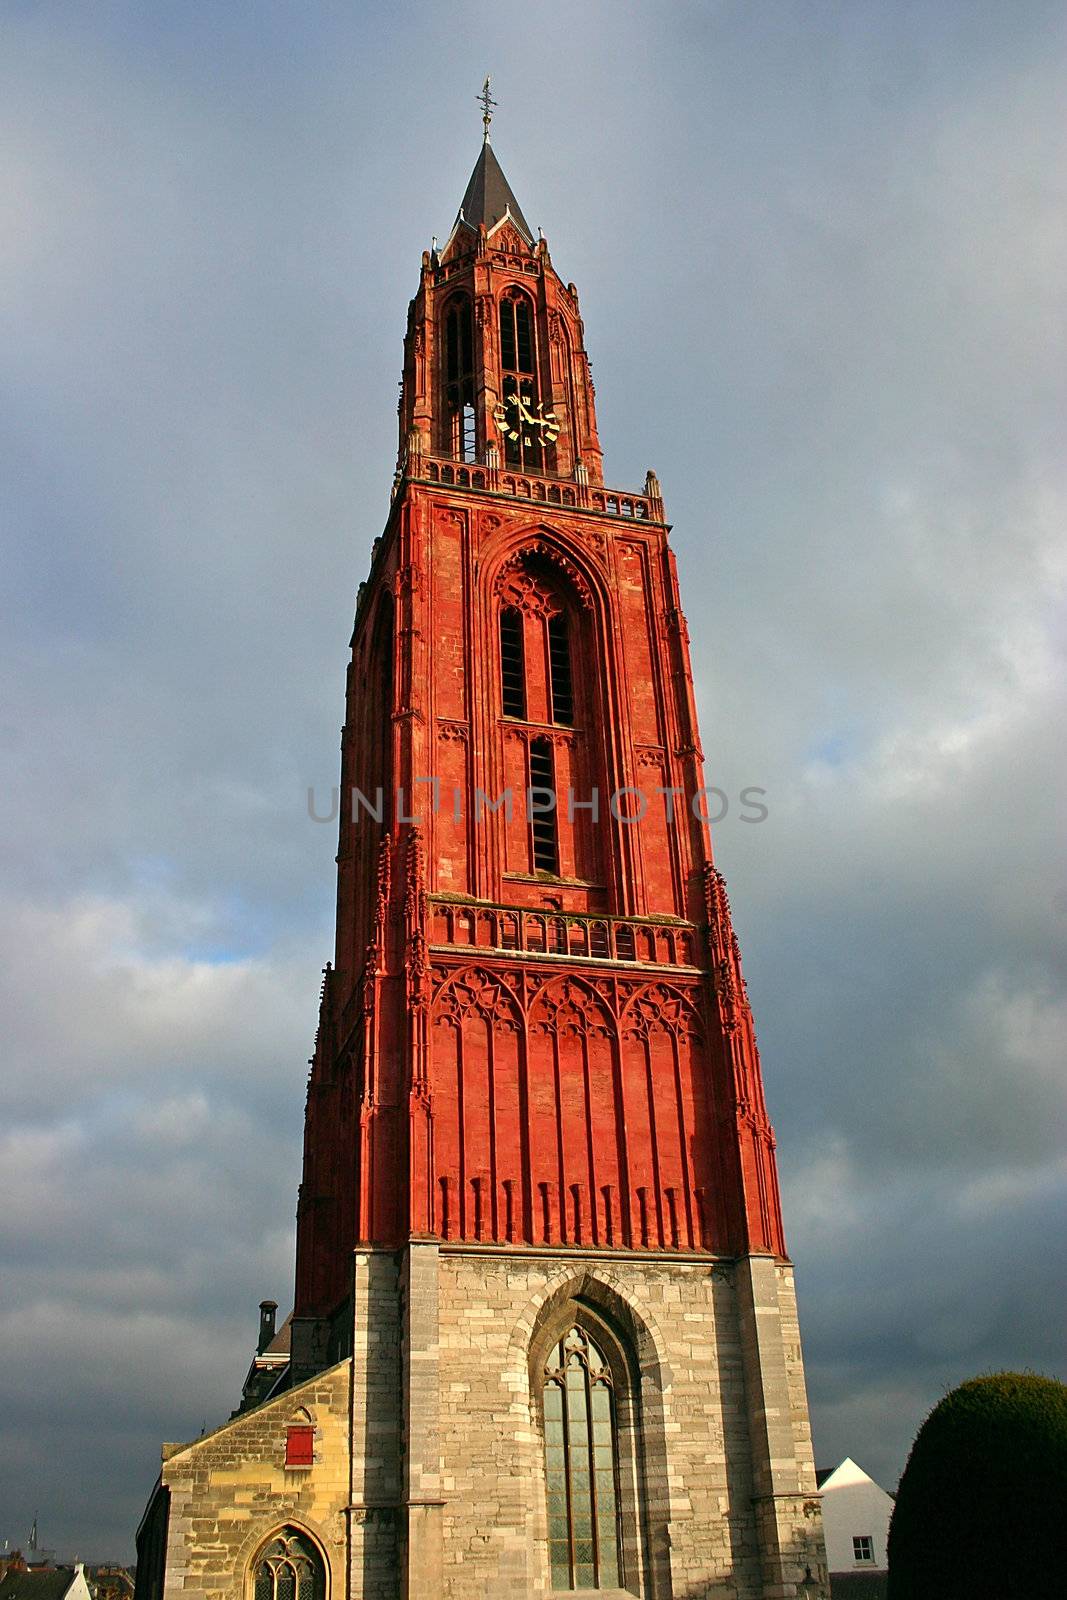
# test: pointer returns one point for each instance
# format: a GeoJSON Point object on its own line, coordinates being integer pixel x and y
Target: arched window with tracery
{"type": "Point", "coordinates": [290, 1568]}
{"type": "Point", "coordinates": [581, 1465]}
{"type": "Point", "coordinates": [523, 446]}
{"type": "Point", "coordinates": [461, 441]}
{"type": "Point", "coordinates": [537, 628]}
{"type": "Point", "coordinates": [544, 681]}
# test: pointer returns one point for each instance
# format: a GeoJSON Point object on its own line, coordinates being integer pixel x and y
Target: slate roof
{"type": "Point", "coordinates": [859, 1585]}
{"type": "Point", "coordinates": [50, 1583]}
{"type": "Point", "coordinates": [489, 196]}
{"type": "Point", "coordinates": [281, 1343]}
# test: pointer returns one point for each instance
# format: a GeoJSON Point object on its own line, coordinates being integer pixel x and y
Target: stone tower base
{"type": "Point", "coordinates": [717, 1483]}
{"type": "Point", "coordinates": [428, 1480]}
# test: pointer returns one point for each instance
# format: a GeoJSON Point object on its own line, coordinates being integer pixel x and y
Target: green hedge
{"type": "Point", "coordinates": [981, 1513]}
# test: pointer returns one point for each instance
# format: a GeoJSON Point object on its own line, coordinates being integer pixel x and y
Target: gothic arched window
{"type": "Point", "coordinates": [581, 1465]}
{"type": "Point", "coordinates": [544, 678]}
{"type": "Point", "coordinates": [459, 378]}
{"type": "Point", "coordinates": [290, 1568]}
{"type": "Point", "coordinates": [518, 377]}
{"type": "Point", "coordinates": [536, 676]}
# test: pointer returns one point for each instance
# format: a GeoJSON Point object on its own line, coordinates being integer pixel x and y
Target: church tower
{"type": "Point", "coordinates": [544, 1336]}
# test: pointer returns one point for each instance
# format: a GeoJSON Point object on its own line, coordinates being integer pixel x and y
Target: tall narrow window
{"type": "Point", "coordinates": [543, 823]}
{"type": "Point", "coordinates": [580, 1466]}
{"type": "Point", "coordinates": [512, 663]}
{"type": "Point", "coordinates": [518, 376]}
{"type": "Point", "coordinates": [459, 379]}
{"type": "Point", "coordinates": [559, 660]}
{"type": "Point", "coordinates": [290, 1568]}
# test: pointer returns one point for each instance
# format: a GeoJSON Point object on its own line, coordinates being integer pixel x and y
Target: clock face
{"type": "Point", "coordinates": [520, 419]}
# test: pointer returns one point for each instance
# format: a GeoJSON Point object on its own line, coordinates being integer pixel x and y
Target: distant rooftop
{"type": "Point", "coordinates": [39, 1583]}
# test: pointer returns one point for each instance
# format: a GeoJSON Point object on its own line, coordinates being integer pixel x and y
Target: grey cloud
{"type": "Point", "coordinates": [820, 259]}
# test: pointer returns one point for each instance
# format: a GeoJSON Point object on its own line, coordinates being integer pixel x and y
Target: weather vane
{"type": "Point", "coordinates": [486, 101]}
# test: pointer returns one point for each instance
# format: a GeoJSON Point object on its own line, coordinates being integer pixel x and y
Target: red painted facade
{"type": "Point", "coordinates": [533, 1032]}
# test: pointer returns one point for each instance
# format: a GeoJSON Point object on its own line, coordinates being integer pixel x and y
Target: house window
{"type": "Point", "coordinates": [580, 1466]}
{"type": "Point", "coordinates": [862, 1547]}
{"type": "Point", "coordinates": [300, 1445]}
{"type": "Point", "coordinates": [290, 1568]}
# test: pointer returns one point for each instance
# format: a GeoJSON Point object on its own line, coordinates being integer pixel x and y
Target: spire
{"type": "Point", "coordinates": [489, 196]}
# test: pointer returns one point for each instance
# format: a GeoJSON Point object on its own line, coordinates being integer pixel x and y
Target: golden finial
{"type": "Point", "coordinates": [486, 101]}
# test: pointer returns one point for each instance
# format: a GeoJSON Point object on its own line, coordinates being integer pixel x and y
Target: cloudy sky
{"type": "Point", "coordinates": [821, 249]}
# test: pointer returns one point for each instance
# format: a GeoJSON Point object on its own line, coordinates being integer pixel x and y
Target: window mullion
{"type": "Point", "coordinates": [594, 1505]}
{"type": "Point", "coordinates": [568, 1468]}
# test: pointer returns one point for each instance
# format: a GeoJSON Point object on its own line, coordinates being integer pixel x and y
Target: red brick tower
{"type": "Point", "coordinates": [535, 1109]}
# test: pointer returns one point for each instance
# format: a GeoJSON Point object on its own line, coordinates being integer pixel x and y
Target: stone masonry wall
{"type": "Point", "coordinates": [702, 1539]}
{"type": "Point", "coordinates": [231, 1489]}
{"type": "Point", "coordinates": [428, 1477]}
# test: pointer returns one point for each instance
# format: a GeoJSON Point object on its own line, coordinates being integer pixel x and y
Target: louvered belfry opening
{"type": "Point", "coordinates": [459, 411]}
{"type": "Point", "coordinates": [518, 378]}
{"type": "Point", "coordinates": [559, 657]}
{"type": "Point", "coordinates": [512, 663]}
{"type": "Point", "coordinates": [543, 823]}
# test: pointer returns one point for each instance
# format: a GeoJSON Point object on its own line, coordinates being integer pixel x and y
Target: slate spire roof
{"type": "Point", "coordinates": [489, 196]}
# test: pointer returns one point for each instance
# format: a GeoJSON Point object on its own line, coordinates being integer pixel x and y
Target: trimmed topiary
{"type": "Point", "coordinates": [981, 1513]}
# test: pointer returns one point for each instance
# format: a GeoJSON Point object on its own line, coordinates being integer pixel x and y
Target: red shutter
{"type": "Point", "coordinates": [300, 1446]}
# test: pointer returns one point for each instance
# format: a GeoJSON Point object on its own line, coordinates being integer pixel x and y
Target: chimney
{"type": "Point", "coordinates": [267, 1312]}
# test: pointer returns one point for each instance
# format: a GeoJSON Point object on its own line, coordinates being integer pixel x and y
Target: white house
{"type": "Point", "coordinates": [855, 1519]}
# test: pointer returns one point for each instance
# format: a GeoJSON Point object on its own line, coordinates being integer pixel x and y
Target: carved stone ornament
{"type": "Point", "coordinates": [476, 993]}
{"type": "Point", "coordinates": [385, 876]}
{"type": "Point", "coordinates": [529, 593]}
{"type": "Point", "coordinates": [567, 1006]}
{"type": "Point", "coordinates": [547, 552]}
{"type": "Point", "coordinates": [416, 873]}
{"type": "Point", "coordinates": [656, 1007]}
